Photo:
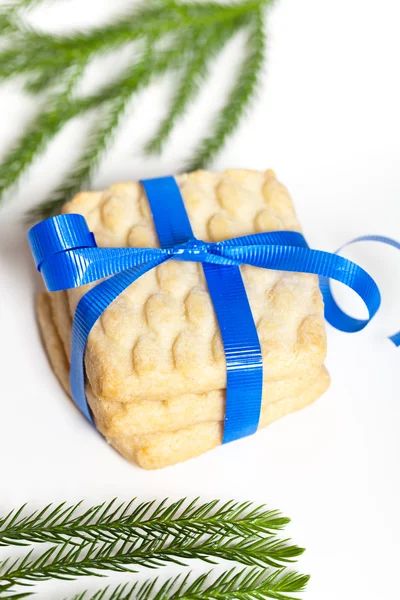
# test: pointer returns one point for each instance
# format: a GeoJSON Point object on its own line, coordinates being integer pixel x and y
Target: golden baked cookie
{"type": "Point", "coordinates": [155, 363]}
{"type": "Point", "coordinates": [178, 434]}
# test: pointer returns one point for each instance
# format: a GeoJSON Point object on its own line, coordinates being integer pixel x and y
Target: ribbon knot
{"type": "Point", "coordinates": [193, 250]}
{"type": "Point", "coordinates": [66, 254]}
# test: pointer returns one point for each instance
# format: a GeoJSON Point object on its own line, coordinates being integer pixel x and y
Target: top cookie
{"type": "Point", "coordinates": [160, 338]}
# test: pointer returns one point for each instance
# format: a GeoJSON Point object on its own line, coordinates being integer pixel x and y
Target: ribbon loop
{"type": "Point", "coordinates": [57, 234]}
{"type": "Point", "coordinates": [333, 313]}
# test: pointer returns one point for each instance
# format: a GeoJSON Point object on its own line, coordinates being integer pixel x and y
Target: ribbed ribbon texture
{"type": "Point", "coordinates": [67, 256]}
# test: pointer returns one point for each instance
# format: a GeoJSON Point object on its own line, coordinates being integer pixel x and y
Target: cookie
{"type": "Point", "coordinates": [154, 361]}
{"type": "Point", "coordinates": [146, 416]}
{"type": "Point", "coordinates": [122, 424]}
{"type": "Point", "coordinates": [160, 337]}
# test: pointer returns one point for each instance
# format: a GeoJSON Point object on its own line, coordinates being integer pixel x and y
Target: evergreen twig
{"type": "Point", "coordinates": [112, 521]}
{"type": "Point", "coordinates": [44, 128]}
{"type": "Point", "coordinates": [245, 584]}
{"type": "Point", "coordinates": [185, 36]}
{"type": "Point", "coordinates": [239, 98]}
{"type": "Point", "coordinates": [68, 562]}
{"type": "Point", "coordinates": [31, 50]}
{"type": "Point", "coordinates": [122, 537]}
{"type": "Point", "coordinates": [49, 123]}
{"type": "Point", "coordinates": [103, 133]}
{"type": "Point", "coordinates": [210, 44]}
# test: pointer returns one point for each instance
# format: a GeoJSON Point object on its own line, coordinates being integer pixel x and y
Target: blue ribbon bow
{"type": "Point", "coordinates": [67, 256]}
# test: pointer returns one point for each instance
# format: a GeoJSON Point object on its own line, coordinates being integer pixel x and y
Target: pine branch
{"type": "Point", "coordinates": [185, 36]}
{"type": "Point", "coordinates": [65, 108]}
{"type": "Point", "coordinates": [112, 521]}
{"type": "Point", "coordinates": [209, 45]}
{"type": "Point", "coordinates": [6, 20]}
{"type": "Point", "coordinates": [18, 596]}
{"type": "Point", "coordinates": [116, 96]}
{"type": "Point", "coordinates": [68, 562]}
{"type": "Point", "coordinates": [103, 133]}
{"type": "Point", "coordinates": [44, 128]}
{"type": "Point", "coordinates": [32, 50]}
{"type": "Point", "coordinates": [246, 584]}
{"type": "Point", "coordinates": [82, 171]}
{"type": "Point", "coordinates": [10, 15]}
{"type": "Point", "coordinates": [239, 98]}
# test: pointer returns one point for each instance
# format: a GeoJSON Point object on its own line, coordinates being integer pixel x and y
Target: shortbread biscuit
{"type": "Point", "coordinates": [161, 448]}
{"type": "Point", "coordinates": [121, 419]}
{"type": "Point", "coordinates": [155, 364]}
{"type": "Point", "coordinates": [160, 337]}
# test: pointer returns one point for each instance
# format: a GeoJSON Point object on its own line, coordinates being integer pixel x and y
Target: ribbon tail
{"type": "Point", "coordinates": [395, 339]}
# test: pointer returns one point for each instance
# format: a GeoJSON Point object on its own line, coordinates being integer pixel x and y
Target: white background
{"type": "Point", "coordinates": [327, 120]}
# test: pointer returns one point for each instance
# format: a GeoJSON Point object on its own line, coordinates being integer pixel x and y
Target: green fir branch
{"type": "Point", "coordinates": [10, 21]}
{"type": "Point", "coordinates": [115, 96]}
{"type": "Point", "coordinates": [126, 521]}
{"type": "Point", "coordinates": [44, 128]}
{"type": "Point", "coordinates": [31, 50]}
{"type": "Point", "coordinates": [209, 45]}
{"type": "Point", "coordinates": [122, 537]}
{"type": "Point", "coordinates": [245, 584]}
{"type": "Point", "coordinates": [239, 98]}
{"type": "Point", "coordinates": [185, 36]}
{"type": "Point", "coordinates": [68, 562]}
{"type": "Point", "coordinates": [81, 172]}
{"type": "Point", "coordinates": [65, 108]}
{"type": "Point", "coordinates": [103, 133]}
{"type": "Point", "coordinates": [15, 596]}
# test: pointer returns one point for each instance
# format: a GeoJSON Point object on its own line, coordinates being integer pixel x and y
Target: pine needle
{"type": "Point", "coordinates": [68, 562]}
{"type": "Point", "coordinates": [122, 537]}
{"type": "Point", "coordinates": [49, 123]}
{"type": "Point", "coordinates": [185, 37]}
{"type": "Point", "coordinates": [245, 584]}
{"type": "Point", "coordinates": [209, 45]}
{"type": "Point", "coordinates": [128, 521]}
{"type": "Point", "coordinates": [44, 128]}
{"type": "Point", "coordinates": [102, 135]}
{"type": "Point", "coordinates": [239, 98]}
{"type": "Point", "coordinates": [115, 97]}
{"type": "Point", "coordinates": [31, 50]}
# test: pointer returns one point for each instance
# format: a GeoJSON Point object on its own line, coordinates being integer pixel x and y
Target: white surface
{"type": "Point", "coordinates": [327, 120]}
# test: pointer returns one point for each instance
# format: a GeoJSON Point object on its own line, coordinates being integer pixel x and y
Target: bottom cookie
{"type": "Point", "coordinates": [163, 448]}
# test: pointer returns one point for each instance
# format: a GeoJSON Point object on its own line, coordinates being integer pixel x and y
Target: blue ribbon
{"type": "Point", "coordinates": [67, 256]}
{"type": "Point", "coordinates": [333, 314]}
{"type": "Point", "coordinates": [244, 374]}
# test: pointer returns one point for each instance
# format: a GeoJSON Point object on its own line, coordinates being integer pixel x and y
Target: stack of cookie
{"type": "Point", "coordinates": [155, 364]}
